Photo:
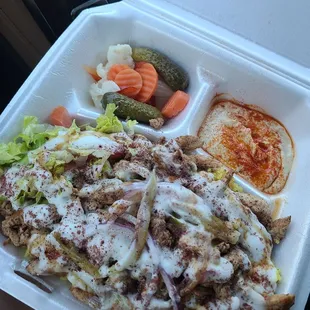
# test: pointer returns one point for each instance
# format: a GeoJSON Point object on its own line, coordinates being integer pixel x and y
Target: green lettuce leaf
{"type": "Point", "coordinates": [12, 152]}
{"type": "Point", "coordinates": [74, 128]}
{"type": "Point", "coordinates": [101, 167]}
{"type": "Point", "coordinates": [219, 174]}
{"type": "Point", "coordinates": [234, 186]}
{"type": "Point", "coordinates": [55, 166]}
{"type": "Point", "coordinates": [56, 161]}
{"type": "Point", "coordinates": [129, 126]}
{"type": "Point", "coordinates": [107, 168]}
{"type": "Point", "coordinates": [40, 198]}
{"type": "Point", "coordinates": [34, 134]}
{"type": "Point", "coordinates": [23, 196]}
{"type": "Point", "coordinates": [28, 192]}
{"type": "Point", "coordinates": [108, 122]}
{"type": "Point", "coordinates": [29, 120]}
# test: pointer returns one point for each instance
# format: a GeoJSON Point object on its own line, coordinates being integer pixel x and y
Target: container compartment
{"type": "Point", "coordinates": [166, 39]}
{"type": "Point", "coordinates": [88, 44]}
{"type": "Point", "coordinates": [284, 100]}
{"type": "Point", "coordinates": [289, 103]}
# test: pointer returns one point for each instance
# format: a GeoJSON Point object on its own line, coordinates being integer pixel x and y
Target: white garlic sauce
{"type": "Point", "coordinates": [174, 198]}
{"type": "Point", "coordinates": [108, 242]}
{"type": "Point", "coordinates": [45, 265]}
{"type": "Point", "coordinates": [254, 237]}
{"type": "Point", "coordinates": [39, 216]}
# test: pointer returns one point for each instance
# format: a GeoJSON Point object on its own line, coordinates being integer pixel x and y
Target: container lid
{"type": "Point", "coordinates": [280, 26]}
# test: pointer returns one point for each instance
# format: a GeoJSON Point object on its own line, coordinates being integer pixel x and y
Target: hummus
{"type": "Point", "coordinates": [246, 139]}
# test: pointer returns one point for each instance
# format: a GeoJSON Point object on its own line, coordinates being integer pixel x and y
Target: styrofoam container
{"type": "Point", "coordinates": [217, 61]}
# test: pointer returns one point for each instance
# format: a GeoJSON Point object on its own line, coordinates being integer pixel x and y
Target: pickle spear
{"type": "Point", "coordinates": [130, 108]}
{"type": "Point", "coordinates": [79, 259]}
{"type": "Point", "coordinates": [173, 74]}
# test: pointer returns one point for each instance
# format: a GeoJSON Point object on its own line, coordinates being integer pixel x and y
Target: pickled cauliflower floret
{"type": "Point", "coordinates": [117, 54]}
{"type": "Point", "coordinates": [102, 71]}
{"type": "Point", "coordinates": [120, 54]}
{"type": "Point", "coordinates": [97, 90]}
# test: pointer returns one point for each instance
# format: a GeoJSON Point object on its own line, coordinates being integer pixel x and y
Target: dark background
{"type": "Point", "coordinates": [53, 17]}
{"type": "Point", "coordinates": [14, 72]}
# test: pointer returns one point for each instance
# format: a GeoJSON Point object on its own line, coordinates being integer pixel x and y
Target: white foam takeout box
{"type": "Point", "coordinates": [217, 61]}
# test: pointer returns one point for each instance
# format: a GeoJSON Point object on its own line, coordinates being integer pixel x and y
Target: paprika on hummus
{"type": "Point", "coordinates": [246, 139]}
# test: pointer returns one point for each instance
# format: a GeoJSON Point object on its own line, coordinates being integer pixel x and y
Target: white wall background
{"type": "Point", "coordinates": [282, 26]}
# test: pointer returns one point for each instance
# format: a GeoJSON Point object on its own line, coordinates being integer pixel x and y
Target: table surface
{"type": "Point", "coordinates": [8, 302]}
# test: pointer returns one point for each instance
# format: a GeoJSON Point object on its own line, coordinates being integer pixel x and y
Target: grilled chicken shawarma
{"type": "Point", "coordinates": [135, 224]}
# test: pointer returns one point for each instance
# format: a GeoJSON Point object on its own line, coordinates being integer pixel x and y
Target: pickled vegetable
{"type": "Point", "coordinates": [175, 104]}
{"type": "Point", "coordinates": [149, 82]}
{"type": "Point", "coordinates": [171, 73]}
{"type": "Point", "coordinates": [130, 108]}
{"type": "Point", "coordinates": [129, 81]}
{"type": "Point", "coordinates": [78, 258]}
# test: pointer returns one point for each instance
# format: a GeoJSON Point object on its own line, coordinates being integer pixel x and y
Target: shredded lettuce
{"type": "Point", "coordinates": [23, 196]}
{"type": "Point", "coordinates": [129, 126]}
{"type": "Point", "coordinates": [101, 168]}
{"type": "Point", "coordinates": [74, 128]}
{"type": "Point", "coordinates": [234, 186]}
{"type": "Point", "coordinates": [108, 122]}
{"type": "Point", "coordinates": [39, 197]}
{"type": "Point", "coordinates": [219, 174]}
{"type": "Point", "coordinates": [32, 136]}
{"type": "Point", "coordinates": [2, 198]}
{"type": "Point", "coordinates": [131, 123]}
{"type": "Point", "coordinates": [57, 167]}
{"type": "Point", "coordinates": [12, 152]}
{"type": "Point", "coordinates": [56, 161]}
{"type": "Point", "coordinates": [27, 191]}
